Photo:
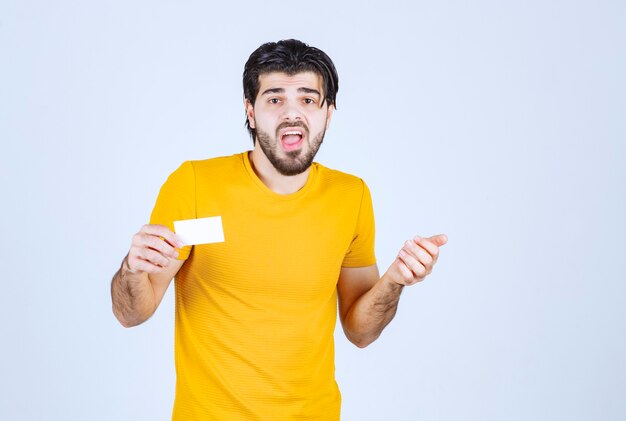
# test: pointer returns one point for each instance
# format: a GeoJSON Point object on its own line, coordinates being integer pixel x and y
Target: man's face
{"type": "Point", "coordinates": [288, 119]}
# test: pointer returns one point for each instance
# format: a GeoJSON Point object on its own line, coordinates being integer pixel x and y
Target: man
{"type": "Point", "coordinates": [255, 314]}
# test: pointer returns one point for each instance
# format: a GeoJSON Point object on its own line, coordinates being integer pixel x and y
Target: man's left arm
{"type": "Point", "coordinates": [367, 302]}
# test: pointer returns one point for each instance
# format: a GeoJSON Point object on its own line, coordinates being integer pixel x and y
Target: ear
{"type": "Point", "coordinates": [249, 112]}
{"type": "Point", "coordinates": [329, 115]}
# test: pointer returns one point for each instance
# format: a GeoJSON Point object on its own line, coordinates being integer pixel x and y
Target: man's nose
{"type": "Point", "coordinates": [292, 111]}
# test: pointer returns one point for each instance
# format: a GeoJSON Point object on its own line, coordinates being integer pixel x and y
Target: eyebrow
{"type": "Point", "coordinates": [309, 91]}
{"type": "Point", "coordinates": [282, 91]}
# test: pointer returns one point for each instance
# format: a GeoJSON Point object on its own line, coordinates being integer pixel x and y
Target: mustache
{"type": "Point", "coordinates": [292, 124]}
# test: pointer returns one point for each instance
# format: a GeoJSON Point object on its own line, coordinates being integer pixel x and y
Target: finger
{"type": "Point", "coordinates": [412, 263]}
{"type": "Point", "coordinates": [163, 231]}
{"type": "Point", "coordinates": [420, 253]}
{"type": "Point", "coordinates": [405, 274]}
{"type": "Point", "coordinates": [439, 239]}
{"type": "Point", "coordinates": [156, 243]}
{"type": "Point", "coordinates": [429, 246]}
{"type": "Point", "coordinates": [141, 241]}
{"type": "Point", "coordinates": [152, 256]}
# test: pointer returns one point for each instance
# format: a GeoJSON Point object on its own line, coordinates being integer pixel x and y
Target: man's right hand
{"type": "Point", "coordinates": [152, 249]}
{"type": "Point", "coordinates": [147, 270]}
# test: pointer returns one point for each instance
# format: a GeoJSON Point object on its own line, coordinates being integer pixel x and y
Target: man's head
{"type": "Point", "coordinates": [290, 92]}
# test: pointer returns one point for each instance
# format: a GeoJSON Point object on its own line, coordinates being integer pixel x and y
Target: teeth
{"type": "Point", "coordinates": [294, 132]}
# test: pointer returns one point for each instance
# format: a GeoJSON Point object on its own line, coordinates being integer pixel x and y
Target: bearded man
{"type": "Point", "coordinates": [256, 312]}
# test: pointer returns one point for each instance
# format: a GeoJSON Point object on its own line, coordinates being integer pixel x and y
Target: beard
{"type": "Point", "coordinates": [294, 162]}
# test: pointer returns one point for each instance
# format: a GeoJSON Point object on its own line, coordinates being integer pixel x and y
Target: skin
{"type": "Point", "coordinates": [367, 301]}
{"type": "Point", "coordinates": [295, 103]}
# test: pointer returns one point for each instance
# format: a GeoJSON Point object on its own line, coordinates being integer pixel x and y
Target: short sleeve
{"type": "Point", "coordinates": [361, 250]}
{"type": "Point", "coordinates": [177, 201]}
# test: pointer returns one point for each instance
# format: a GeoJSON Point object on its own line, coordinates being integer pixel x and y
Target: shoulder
{"type": "Point", "coordinates": [209, 168]}
{"type": "Point", "coordinates": [341, 181]}
{"type": "Point", "coordinates": [192, 171]}
{"type": "Point", "coordinates": [219, 164]}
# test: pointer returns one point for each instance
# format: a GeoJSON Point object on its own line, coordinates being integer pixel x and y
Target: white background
{"type": "Point", "coordinates": [501, 124]}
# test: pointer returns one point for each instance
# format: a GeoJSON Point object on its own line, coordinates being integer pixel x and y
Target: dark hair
{"type": "Point", "coordinates": [288, 56]}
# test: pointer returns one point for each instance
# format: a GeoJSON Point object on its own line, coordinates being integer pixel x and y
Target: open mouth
{"type": "Point", "coordinates": [292, 139]}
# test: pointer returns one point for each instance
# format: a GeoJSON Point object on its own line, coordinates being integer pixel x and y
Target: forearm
{"type": "Point", "coordinates": [365, 310]}
{"type": "Point", "coordinates": [132, 295]}
{"type": "Point", "coordinates": [369, 315]}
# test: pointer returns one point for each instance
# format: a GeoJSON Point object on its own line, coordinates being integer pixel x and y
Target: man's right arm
{"type": "Point", "coordinates": [147, 270]}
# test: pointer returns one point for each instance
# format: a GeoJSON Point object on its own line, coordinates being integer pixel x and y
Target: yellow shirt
{"type": "Point", "coordinates": [255, 315]}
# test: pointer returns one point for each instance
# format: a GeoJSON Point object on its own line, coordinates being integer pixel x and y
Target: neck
{"type": "Point", "coordinates": [275, 181]}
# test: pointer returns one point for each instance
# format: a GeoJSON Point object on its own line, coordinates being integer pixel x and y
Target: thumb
{"type": "Point", "coordinates": [439, 239]}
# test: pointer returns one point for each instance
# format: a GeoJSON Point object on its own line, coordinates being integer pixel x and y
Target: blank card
{"type": "Point", "coordinates": [200, 231]}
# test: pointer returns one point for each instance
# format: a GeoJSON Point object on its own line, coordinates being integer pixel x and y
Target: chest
{"type": "Point", "coordinates": [272, 247]}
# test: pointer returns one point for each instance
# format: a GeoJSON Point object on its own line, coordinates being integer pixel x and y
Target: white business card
{"type": "Point", "coordinates": [200, 231]}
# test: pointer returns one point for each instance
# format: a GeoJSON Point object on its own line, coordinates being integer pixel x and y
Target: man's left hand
{"type": "Point", "coordinates": [416, 259]}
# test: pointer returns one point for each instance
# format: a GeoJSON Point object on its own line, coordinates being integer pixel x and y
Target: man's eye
{"type": "Point", "coordinates": [274, 100]}
{"type": "Point", "coordinates": [308, 101]}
